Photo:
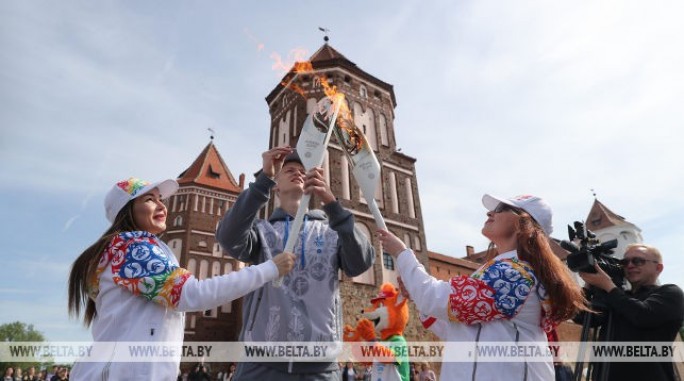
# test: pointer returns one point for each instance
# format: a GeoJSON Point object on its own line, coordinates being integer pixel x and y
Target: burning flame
{"type": "Point", "coordinates": [298, 64]}
{"type": "Point", "coordinates": [297, 56]}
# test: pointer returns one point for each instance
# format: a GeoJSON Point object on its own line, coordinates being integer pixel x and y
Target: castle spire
{"type": "Point", "coordinates": [325, 30]}
{"type": "Point", "coordinates": [210, 170]}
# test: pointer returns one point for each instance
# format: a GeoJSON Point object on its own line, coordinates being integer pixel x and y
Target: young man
{"type": "Point", "coordinates": [307, 306]}
{"type": "Point", "coordinates": [648, 312]}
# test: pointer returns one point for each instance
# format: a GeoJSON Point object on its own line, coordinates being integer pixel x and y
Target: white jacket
{"type": "Point", "coordinates": [141, 295]}
{"type": "Point", "coordinates": [500, 302]}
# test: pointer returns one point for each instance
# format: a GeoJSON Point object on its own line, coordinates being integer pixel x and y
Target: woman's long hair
{"type": "Point", "coordinates": [83, 268]}
{"type": "Point", "coordinates": [533, 247]}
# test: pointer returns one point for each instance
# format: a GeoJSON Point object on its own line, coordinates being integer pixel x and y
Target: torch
{"type": "Point", "coordinates": [364, 164]}
{"type": "Point", "coordinates": [311, 147]}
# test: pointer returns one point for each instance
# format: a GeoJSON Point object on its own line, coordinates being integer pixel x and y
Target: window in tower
{"type": "Point", "coordinates": [368, 276]}
{"type": "Point", "coordinates": [213, 174]}
{"type": "Point", "coordinates": [384, 133]}
{"type": "Point", "coordinates": [408, 189]}
{"type": "Point", "coordinates": [387, 261]}
{"type": "Point", "coordinates": [394, 196]}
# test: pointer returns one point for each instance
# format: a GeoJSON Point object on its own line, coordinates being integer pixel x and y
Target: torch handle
{"type": "Point", "coordinates": [375, 210]}
{"type": "Point", "coordinates": [293, 234]}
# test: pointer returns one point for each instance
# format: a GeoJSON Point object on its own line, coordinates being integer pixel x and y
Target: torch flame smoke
{"type": "Point", "coordinates": [297, 64]}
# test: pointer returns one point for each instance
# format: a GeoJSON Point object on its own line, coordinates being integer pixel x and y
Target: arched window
{"type": "Point", "coordinates": [407, 240]}
{"type": "Point", "coordinates": [192, 267]}
{"type": "Point", "coordinates": [178, 221]}
{"type": "Point", "coordinates": [370, 132]}
{"type": "Point", "coordinates": [284, 130]}
{"type": "Point", "coordinates": [394, 196]}
{"type": "Point", "coordinates": [363, 91]}
{"type": "Point", "coordinates": [368, 277]}
{"type": "Point", "coordinates": [408, 187]}
{"type": "Point", "coordinates": [176, 245]}
{"type": "Point", "coordinates": [384, 132]}
{"type": "Point", "coordinates": [203, 270]}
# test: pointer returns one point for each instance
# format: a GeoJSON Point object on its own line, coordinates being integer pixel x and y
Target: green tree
{"type": "Point", "coordinates": [18, 331]}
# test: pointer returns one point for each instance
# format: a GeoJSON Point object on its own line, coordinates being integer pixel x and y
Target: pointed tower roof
{"type": "Point", "coordinates": [327, 52]}
{"type": "Point", "coordinates": [328, 57]}
{"type": "Point", "coordinates": [601, 217]}
{"type": "Point", "coordinates": [210, 170]}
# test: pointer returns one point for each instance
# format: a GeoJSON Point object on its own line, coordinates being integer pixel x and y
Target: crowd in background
{"type": "Point", "coordinates": [56, 373]}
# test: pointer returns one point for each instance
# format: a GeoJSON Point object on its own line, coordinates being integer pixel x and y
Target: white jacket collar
{"type": "Point", "coordinates": [507, 255]}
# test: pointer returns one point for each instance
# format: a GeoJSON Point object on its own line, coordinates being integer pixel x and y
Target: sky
{"type": "Point", "coordinates": [527, 97]}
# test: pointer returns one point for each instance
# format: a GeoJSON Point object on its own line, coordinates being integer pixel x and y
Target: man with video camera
{"type": "Point", "coordinates": [648, 312]}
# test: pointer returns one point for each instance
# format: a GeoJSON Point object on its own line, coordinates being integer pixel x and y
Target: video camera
{"type": "Point", "coordinates": [583, 258]}
{"type": "Point", "coordinates": [591, 251]}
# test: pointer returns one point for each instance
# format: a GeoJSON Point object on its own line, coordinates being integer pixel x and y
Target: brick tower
{"type": "Point", "coordinates": [207, 190]}
{"type": "Point", "coordinates": [372, 104]}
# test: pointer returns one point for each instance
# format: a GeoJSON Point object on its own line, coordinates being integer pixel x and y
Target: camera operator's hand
{"type": "Point", "coordinates": [599, 279]}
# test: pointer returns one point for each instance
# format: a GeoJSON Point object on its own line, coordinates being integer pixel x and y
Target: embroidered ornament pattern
{"type": "Point", "coordinates": [498, 290]}
{"type": "Point", "coordinates": [140, 265]}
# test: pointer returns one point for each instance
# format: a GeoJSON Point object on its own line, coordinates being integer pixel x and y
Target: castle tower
{"type": "Point", "coordinates": [207, 190]}
{"type": "Point", "coordinates": [372, 104]}
{"type": "Point", "coordinates": [608, 225]}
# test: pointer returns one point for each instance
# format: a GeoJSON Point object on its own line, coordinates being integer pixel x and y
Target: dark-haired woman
{"type": "Point", "coordinates": [133, 289]}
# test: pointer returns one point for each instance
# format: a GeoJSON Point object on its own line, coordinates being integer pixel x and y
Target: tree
{"type": "Point", "coordinates": [18, 331]}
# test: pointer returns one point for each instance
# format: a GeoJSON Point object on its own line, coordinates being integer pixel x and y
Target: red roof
{"type": "Point", "coordinates": [463, 262]}
{"type": "Point", "coordinates": [209, 170]}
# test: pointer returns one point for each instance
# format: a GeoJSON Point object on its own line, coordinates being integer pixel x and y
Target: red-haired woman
{"type": "Point", "coordinates": [522, 292]}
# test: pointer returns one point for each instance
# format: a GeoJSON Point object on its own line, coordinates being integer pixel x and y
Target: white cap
{"type": "Point", "coordinates": [535, 206]}
{"type": "Point", "coordinates": [127, 190]}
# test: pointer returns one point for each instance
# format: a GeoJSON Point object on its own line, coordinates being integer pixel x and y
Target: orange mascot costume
{"type": "Point", "coordinates": [388, 315]}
